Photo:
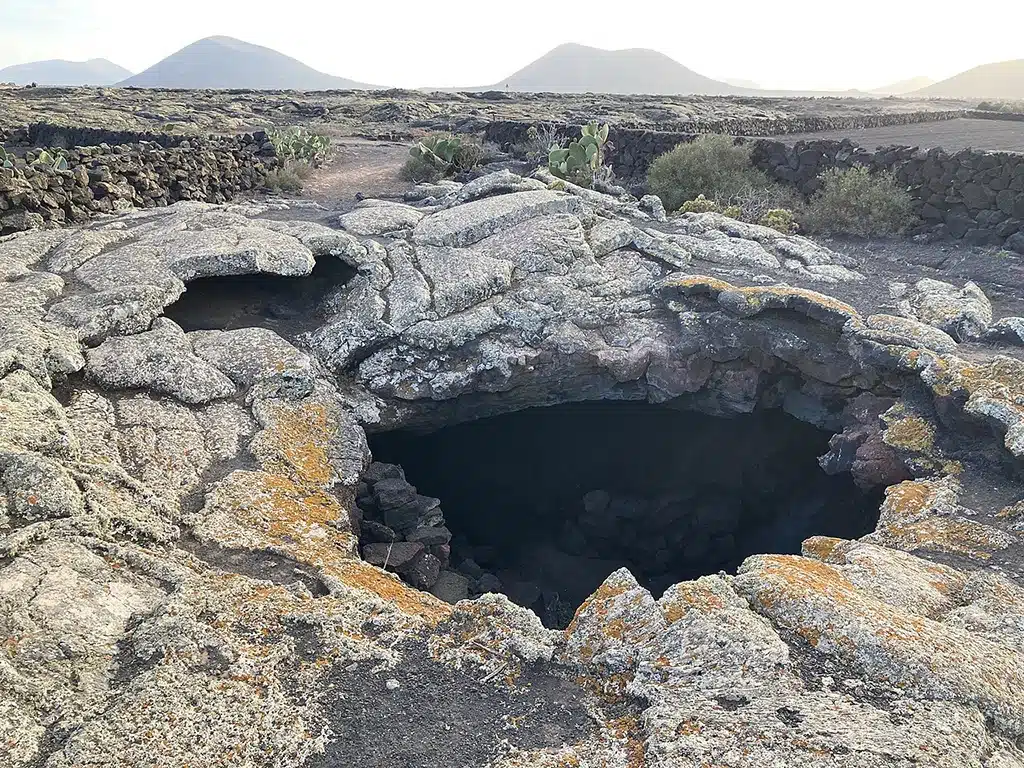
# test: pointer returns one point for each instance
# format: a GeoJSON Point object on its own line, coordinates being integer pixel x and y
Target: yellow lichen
{"type": "Point", "coordinates": [759, 297]}
{"type": "Point", "coordinates": [910, 433]}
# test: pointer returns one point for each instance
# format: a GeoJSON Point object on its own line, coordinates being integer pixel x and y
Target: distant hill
{"type": "Point", "coordinates": [1002, 80]}
{"type": "Point", "coordinates": [573, 68]}
{"type": "Point", "coordinates": [904, 86]}
{"type": "Point", "coordinates": [223, 62]}
{"type": "Point", "coordinates": [736, 82]}
{"type": "Point", "coordinates": [61, 72]}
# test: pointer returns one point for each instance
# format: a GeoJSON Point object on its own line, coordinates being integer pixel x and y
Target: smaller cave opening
{"type": "Point", "coordinates": [543, 504]}
{"type": "Point", "coordinates": [287, 305]}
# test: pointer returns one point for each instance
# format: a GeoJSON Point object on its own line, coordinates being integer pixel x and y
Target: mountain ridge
{"type": "Point", "coordinates": [901, 87]}
{"type": "Point", "coordinates": [226, 62]}
{"type": "Point", "coordinates": [62, 72]}
{"type": "Point", "coordinates": [575, 68]}
{"type": "Point", "coordinates": [997, 80]}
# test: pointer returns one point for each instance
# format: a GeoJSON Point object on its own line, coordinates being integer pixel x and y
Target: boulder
{"type": "Point", "coordinates": [964, 313]}
{"type": "Point", "coordinates": [451, 587]}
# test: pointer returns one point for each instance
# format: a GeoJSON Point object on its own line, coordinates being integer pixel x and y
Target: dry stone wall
{"type": "Point", "coordinates": [103, 177]}
{"type": "Point", "coordinates": [511, 131]}
{"type": "Point", "coordinates": [972, 194]}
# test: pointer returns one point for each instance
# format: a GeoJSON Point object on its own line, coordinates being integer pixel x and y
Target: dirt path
{"type": "Point", "coordinates": [358, 166]}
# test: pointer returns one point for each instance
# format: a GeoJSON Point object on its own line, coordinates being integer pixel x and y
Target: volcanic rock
{"type": "Point", "coordinates": [180, 541]}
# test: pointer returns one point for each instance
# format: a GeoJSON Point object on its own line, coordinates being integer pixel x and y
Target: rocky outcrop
{"type": "Point", "coordinates": [187, 575]}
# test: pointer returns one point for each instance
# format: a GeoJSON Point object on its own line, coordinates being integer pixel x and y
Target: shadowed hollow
{"type": "Point", "coordinates": [551, 500]}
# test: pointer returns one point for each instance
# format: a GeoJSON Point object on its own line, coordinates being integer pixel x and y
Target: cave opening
{"type": "Point", "coordinates": [543, 504]}
{"type": "Point", "coordinates": [287, 305]}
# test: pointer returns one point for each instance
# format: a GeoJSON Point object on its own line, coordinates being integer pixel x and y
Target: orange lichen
{"type": "Point", "coordinates": [948, 535]}
{"type": "Point", "coordinates": [298, 436]}
{"type": "Point", "coordinates": [689, 727]}
{"type": "Point", "coordinates": [599, 601]}
{"type": "Point", "coordinates": [689, 595]}
{"type": "Point", "coordinates": [823, 548]}
{"type": "Point", "coordinates": [610, 688]}
{"type": "Point", "coordinates": [801, 574]}
{"type": "Point", "coordinates": [1011, 512]}
{"type": "Point", "coordinates": [360, 575]}
{"type": "Point", "coordinates": [907, 499]}
{"type": "Point", "coordinates": [295, 520]}
{"type": "Point", "coordinates": [628, 730]}
{"type": "Point", "coordinates": [800, 579]}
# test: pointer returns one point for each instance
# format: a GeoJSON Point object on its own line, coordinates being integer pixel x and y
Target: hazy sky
{"type": "Point", "coordinates": [798, 44]}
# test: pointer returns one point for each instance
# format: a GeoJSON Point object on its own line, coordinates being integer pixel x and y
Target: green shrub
{"type": "Point", "coordinates": [853, 201]}
{"type": "Point", "coordinates": [711, 165]}
{"type": "Point", "coordinates": [781, 219]}
{"type": "Point", "coordinates": [288, 177]}
{"type": "Point", "coordinates": [299, 144]}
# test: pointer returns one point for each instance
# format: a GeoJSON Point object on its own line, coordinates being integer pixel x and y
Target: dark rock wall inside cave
{"type": "Point", "coordinates": [551, 500]}
{"type": "Point", "coordinates": [286, 305]}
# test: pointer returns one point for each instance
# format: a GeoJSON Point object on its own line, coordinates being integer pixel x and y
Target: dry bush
{"type": "Point", "coordinates": [853, 201]}
{"type": "Point", "coordinates": [1002, 106]}
{"type": "Point", "coordinates": [539, 140]}
{"type": "Point", "coordinates": [756, 202]}
{"type": "Point", "coordinates": [418, 170]}
{"type": "Point", "coordinates": [441, 154]}
{"type": "Point", "coordinates": [288, 177]}
{"type": "Point", "coordinates": [468, 155]}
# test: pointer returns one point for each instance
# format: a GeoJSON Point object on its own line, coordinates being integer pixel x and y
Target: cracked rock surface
{"type": "Point", "coordinates": [182, 580]}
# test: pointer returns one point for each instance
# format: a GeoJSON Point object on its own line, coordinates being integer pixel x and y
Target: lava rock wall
{"type": "Point", "coordinates": [513, 131]}
{"type": "Point", "coordinates": [103, 178]}
{"type": "Point", "coordinates": [971, 194]}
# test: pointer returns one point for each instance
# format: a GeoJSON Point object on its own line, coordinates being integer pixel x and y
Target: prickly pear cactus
{"type": "Point", "coordinates": [583, 158]}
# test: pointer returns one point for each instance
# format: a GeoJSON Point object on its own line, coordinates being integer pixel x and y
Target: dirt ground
{"type": "Point", "coordinates": [423, 714]}
{"type": "Point", "coordinates": [358, 166]}
{"type": "Point", "coordinates": [952, 135]}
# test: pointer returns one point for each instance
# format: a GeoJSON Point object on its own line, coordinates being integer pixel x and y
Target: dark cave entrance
{"type": "Point", "coordinates": [544, 503]}
{"type": "Point", "coordinates": [287, 305]}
